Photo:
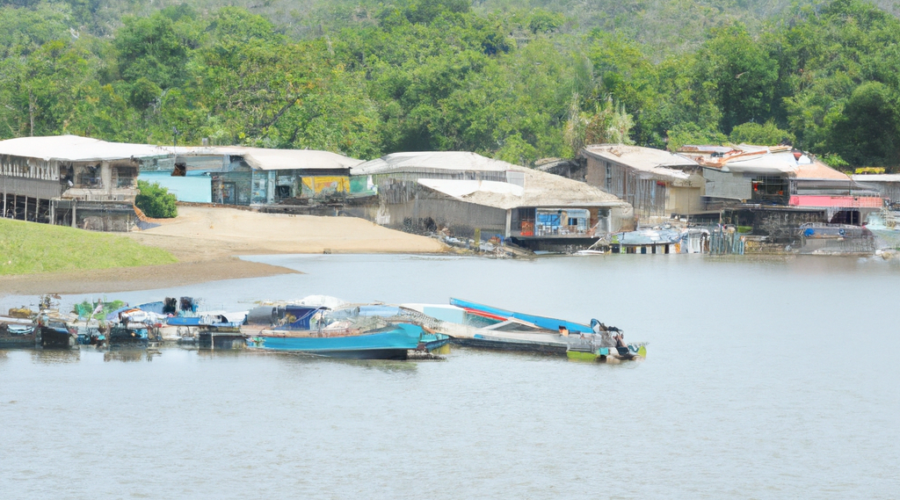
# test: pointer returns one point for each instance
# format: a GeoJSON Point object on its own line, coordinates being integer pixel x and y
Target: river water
{"type": "Point", "coordinates": [764, 379]}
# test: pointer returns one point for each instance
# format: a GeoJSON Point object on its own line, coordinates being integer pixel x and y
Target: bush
{"type": "Point", "coordinates": [155, 201]}
{"type": "Point", "coordinates": [761, 135]}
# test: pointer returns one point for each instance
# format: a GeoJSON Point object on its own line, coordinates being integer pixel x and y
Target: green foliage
{"type": "Point", "coordinates": [834, 161]}
{"type": "Point", "coordinates": [86, 309]}
{"type": "Point", "coordinates": [155, 201]}
{"type": "Point", "coordinates": [868, 130]}
{"type": "Point", "coordinates": [364, 77]}
{"type": "Point", "coordinates": [767, 134]}
{"type": "Point", "coordinates": [738, 75]}
{"type": "Point", "coordinates": [607, 124]}
{"type": "Point", "coordinates": [691, 133]}
{"type": "Point", "coordinates": [28, 248]}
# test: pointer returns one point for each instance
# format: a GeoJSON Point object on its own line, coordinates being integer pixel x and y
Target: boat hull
{"type": "Point", "coordinates": [392, 344]}
{"type": "Point", "coordinates": [608, 354]}
{"type": "Point", "coordinates": [508, 344]}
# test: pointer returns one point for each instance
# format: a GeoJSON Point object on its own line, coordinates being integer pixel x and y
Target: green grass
{"type": "Point", "coordinates": [27, 248]}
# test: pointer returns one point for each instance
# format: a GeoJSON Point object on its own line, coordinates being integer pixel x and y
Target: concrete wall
{"type": "Point", "coordinates": [779, 224]}
{"type": "Point", "coordinates": [727, 185]}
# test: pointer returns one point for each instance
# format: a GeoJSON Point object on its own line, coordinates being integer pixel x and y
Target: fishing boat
{"type": "Point", "coordinates": [592, 350]}
{"type": "Point", "coordinates": [16, 332]}
{"type": "Point", "coordinates": [345, 333]}
{"type": "Point", "coordinates": [53, 333]}
{"type": "Point", "coordinates": [477, 325]}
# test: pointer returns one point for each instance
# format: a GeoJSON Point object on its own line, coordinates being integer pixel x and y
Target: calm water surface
{"type": "Point", "coordinates": [764, 379]}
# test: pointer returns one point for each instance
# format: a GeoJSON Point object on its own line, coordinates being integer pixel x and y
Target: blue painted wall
{"type": "Point", "coordinates": [195, 187]}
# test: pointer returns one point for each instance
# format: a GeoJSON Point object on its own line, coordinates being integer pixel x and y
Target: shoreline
{"type": "Point", "coordinates": [208, 243]}
{"type": "Point", "coordinates": [128, 279]}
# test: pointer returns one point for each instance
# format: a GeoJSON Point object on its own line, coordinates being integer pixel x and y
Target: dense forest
{"type": "Point", "coordinates": [516, 80]}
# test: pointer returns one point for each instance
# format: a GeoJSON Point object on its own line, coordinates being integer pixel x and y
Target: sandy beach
{"type": "Point", "coordinates": [200, 230]}
{"type": "Point", "coordinates": [208, 241]}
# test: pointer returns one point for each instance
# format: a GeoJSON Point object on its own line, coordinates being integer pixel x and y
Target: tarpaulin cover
{"type": "Point", "coordinates": [546, 323]}
{"type": "Point", "coordinates": [383, 311]}
{"type": "Point", "coordinates": [302, 316]}
{"type": "Point", "coordinates": [153, 307]}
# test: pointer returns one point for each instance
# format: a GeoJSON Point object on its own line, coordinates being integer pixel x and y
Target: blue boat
{"type": "Point", "coordinates": [504, 315]}
{"type": "Point", "coordinates": [494, 328]}
{"type": "Point", "coordinates": [392, 342]}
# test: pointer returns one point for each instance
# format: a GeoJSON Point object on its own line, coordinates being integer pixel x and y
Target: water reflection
{"type": "Point", "coordinates": [130, 355]}
{"type": "Point", "coordinates": [310, 360]}
{"type": "Point", "coordinates": [55, 356]}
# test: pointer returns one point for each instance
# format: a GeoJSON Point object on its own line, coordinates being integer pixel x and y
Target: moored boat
{"type": "Point", "coordinates": [359, 332]}
{"type": "Point", "coordinates": [480, 326]}
{"type": "Point", "coordinates": [590, 351]}
{"type": "Point", "coordinates": [392, 342]}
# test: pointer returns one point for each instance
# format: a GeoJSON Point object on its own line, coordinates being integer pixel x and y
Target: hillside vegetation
{"type": "Point", "coordinates": [513, 80]}
{"type": "Point", "coordinates": [27, 248]}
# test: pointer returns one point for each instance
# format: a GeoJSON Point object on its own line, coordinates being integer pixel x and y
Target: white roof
{"type": "Point", "coordinates": [462, 188]}
{"type": "Point", "coordinates": [876, 177]}
{"type": "Point", "coordinates": [541, 190]}
{"type": "Point", "coordinates": [430, 161]}
{"type": "Point", "coordinates": [76, 149]}
{"type": "Point", "coordinates": [288, 159]}
{"type": "Point", "coordinates": [777, 163]}
{"type": "Point", "coordinates": [652, 161]}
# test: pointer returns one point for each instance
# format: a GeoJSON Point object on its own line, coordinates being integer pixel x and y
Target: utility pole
{"type": "Point", "coordinates": [175, 133]}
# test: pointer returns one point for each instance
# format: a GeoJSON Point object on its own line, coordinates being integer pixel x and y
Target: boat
{"type": "Point", "coordinates": [589, 350]}
{"type": "Point", "coordinates": [16, 332]}
{"type": "Point", "coordinates": [53, 333]}
{"type": "Point", "coordinates": [392, 342]}
{"type": "Point", "coordinates": [477, 325]}
{"type": "Point", "coordinates": [361, 332]}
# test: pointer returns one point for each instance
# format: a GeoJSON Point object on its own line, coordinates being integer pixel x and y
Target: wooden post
{"type": "Point", "coordinates": [25, 218]}
{"type": "Point", "coordinates": [74, 202]}
{"type": "Point", "coordinates": [52, 212]}
{"type": "Point", "coordinates": [508, 223]}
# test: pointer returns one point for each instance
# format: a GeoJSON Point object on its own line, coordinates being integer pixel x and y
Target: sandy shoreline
{"type": "Point", "coordinates": [207, 241]}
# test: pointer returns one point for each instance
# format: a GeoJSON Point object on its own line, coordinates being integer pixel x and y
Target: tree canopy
{"type": "Point", "coordinates": [512, 80]}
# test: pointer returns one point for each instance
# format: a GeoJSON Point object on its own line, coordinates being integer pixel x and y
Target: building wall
{"type": "Point", "coordinates": [888, 190]}
{"type": "Point", "coordinates": [727, 185]}
{"type": "Point", "coordinates": [647, 196]}
{"type": "Point", "coordinates": [35, 188]}
{"type": "Point", "coordinates": [431, 212]}
{"type": "Point", "coordinates": [231, 188]}
{"type": "Point", "coordinates": [779, 224]}
{"type": "Point", "coordinates": [684, 200]}
{"type": "Point", "coordinates": [31, 189]}
{"type": "Point", "coordinates": [190, 188]}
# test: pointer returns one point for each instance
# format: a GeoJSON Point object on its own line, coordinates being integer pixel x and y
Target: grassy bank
{"type": "Point", "coordinates": [27, 248]}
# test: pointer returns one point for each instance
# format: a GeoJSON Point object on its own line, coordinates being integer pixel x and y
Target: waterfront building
{"type": "Point", "coordinates": [71, 180]}
{"type": "Point", "coordinates": [237, 175]}
{"type": "Point", "coordinates": [470, 196]}
{"type": "Point", "coordinates": [657, 183]}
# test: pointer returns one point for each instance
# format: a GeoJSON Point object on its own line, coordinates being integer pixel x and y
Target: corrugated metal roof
{"type": "Point", "coordinates": [76, 149]}
{"type": "Point", "coordinates": [819, 170]}
{"type": "Point", "coordinates": [289, 159]}
{"type": "Point", "coordinates": [767, 163]}
{"type": "Point", "coordinates": [430, 161]}
{"type": "Point", "coordinates": [653, 161]}
{"type": "Point", "coordinates": [877, 177]}
{"type": "Point", "coordinates": [541, 190]}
